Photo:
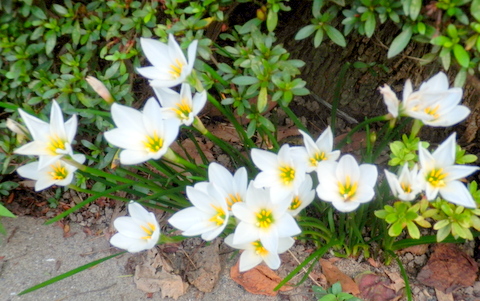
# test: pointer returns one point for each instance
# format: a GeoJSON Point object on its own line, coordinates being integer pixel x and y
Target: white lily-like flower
{"type": "Point", "coordinates": [439, 174]}
{"type": "Point", "coordinates": [283, 173]}
{"type": "Point", "coordinates": [317, 151]}
{"type": "Point", "coordinates": [181, 105]}
{"type": "Point", "coordinates": [254, 253]}
{"type": "Point", "coordinates": [208, 217]}
{"type": "Point", "coordinates": [435, 104]}
{"type": "Point", "coordinates": [137, 232]}
{"type": "Point", "coordinates": [263, 220]}
{"type": "Point", "coordinates": [51, 140]}
{"type": "Point", "coordinates": [302, 198]}
{"type": "Point", "coordinates": [346, 184]}
{"type": "Point", "coordinates": [143, 135]}
{"type": "Point", "coordinates": [57, 173]}
{"type": "Point", "coordinates": [406, 186]}
{"type": "Point", "coordinates": [170, 66]}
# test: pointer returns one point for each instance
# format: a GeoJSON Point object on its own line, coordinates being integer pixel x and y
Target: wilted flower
{"type": "Point", "coordinates": [57, 173]}
{"type": "Point", "coordinates": [100, 89]}
{"type": "Point", "coordinates": [317, 151]}
{"type": "Point", "coordinates": [51, 140]}
{"type": "Point", "coordinates": [283, 173]}
{"type": "Point", "coordinates": [170, 66]}
{"type": "Point", "coordinates": [181, 106]}
{"type": "Point", "coordinates": [406, 186]}
{"type": "Point", "coordinates": [254, 253]}
{"type": "Point", "coordinates": [137, 232]}
{"type": "Point", "coordinates": [345, 184]}
{"type": "Point", "coordinates": [263, 220]}
{"type": "Point", "coordinates": [208, 216]}
{"type": "Point", "coordinates": [143, 135]}
{"type": "Point", "coordinates": [439, 174]}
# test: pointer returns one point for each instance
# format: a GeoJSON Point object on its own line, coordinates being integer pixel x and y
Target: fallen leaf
{"type": "Point", "coordinates": [441, 296]}
{"type": "Point", "coordinates": [260, 280]}
{"type": "Point", "coordinates": [208, 268]}
{"type": "Point", "coordinates": [374, 287]}
{"type": "Point", "coordinates": [448, 268]}
{"type": "Point", "coordinates": [373, 262]}
{"type": "Point", "coordinates": [415, 250]}
{"type": "Point", "coordinates": [187, 146]}
{"type": "Point", "coordinates": [357, 141]}
{"type": "Point", "coordinates": [149, 280]}
{"type": "Point", "coordinates": [225, 132]}
{"type": "Point", "coordinates": [398, 281]}
{"type": "Point", "coordinates": [334, 275]}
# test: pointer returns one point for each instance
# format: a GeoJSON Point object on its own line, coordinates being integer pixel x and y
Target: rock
{"type": "Point", "coordinates": [476, 289]}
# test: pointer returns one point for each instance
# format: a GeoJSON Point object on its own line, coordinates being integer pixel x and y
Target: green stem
{"type": "Point", "coordinates": [96, 172]}
{"type": "Point", "coordinates": [214, 74]}
{"type": "Point", "coordinates": [294, 118]}
{"type": "Point", "coordinates": [359, 127]}
{"type": "Point", "coordinates": [336, 95]}
{"type": "Point", "coordinates": [417, 125]}
{"type": "Point", "coordinates": [171, 156]}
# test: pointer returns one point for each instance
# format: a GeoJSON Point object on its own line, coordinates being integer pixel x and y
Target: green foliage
{"type": "Point", "coordinates": [334, 293]}
{"type": "Point", "coordinates": [405, 151]}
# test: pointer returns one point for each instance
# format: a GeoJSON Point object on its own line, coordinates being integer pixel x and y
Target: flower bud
{"type": "Point", "coordinates": [100, 88]}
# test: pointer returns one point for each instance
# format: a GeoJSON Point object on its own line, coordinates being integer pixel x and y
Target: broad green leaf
{"type": "Point", "coordinates": [370, 25]}
{"type": "Point", "coordinates": [395, 230]}
{"type": "Point", "coordinates": [475, 9]}
{"type": "Point", "coordinates": [335, 35]}
{"type": "Point", "coordinates": [318, 38]}
{"type": "Point", "coordinates": [305, 32]}
{"type": "Point", "coordinates": [400, 42]}
{"type": "Point", "coordinates": [446, 57]}
{"type": "Point", "coordinates": [462, 56]}
{"type": "Point", "coordinates": [262, 100]}
{"type": "Point", "coordinates": [413, 230]}
{"type": "Point", "coordinates": [415, 7]}
{"type": "Point", "coordinates": [272, 20]}
{"type": "Point", "coordinates": [50, 41]}
{"type": "Point", "coordinates": [5, 212]}
{"type": "Point", "coordinates": [244, 80]}
{"type": "Point", "coordinates": [61, 10]}
{"type": "Point", "coordinates": [460, 79]}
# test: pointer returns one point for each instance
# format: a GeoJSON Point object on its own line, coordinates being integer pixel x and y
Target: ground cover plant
{"type": "Point", "coordinates": [258, 202]}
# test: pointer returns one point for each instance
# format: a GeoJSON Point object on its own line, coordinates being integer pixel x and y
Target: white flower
{"type": "Point", "coordinates": [51, 140]}
{"type": "Point", "coordinates": [57, 173]}
{"type": "Point", "coordinates": [317, 151]}
{"type": "Point", "coordinates": [345, 184]}
{"type": "Point", "coordinates": [439, 174]}
{"type": "Point", "coordinates": [181, 105]}
{"type": "Point", "coordinates": [137, 232]}
{"type": "Point", "coordinates": [283, 173]}
{"type": "Point", "coordinates": [435, 104]}
{"type": "Point", "coordinates": [254, 253]}
{"type": "Point", "coordinates": [232, 187]}
{"type": "Point", "coordinates": [207, 218]}
{"type": "Point", "coordinates": [303, 197]}
{"type": "Point", "coordinates": [263, 220]}
{"type": "Point", "coordinates": [407, 185]}
{"type": "Point", "coordinates": [143, 135]}
{"type": "Point", "coordinates": [170, 66]}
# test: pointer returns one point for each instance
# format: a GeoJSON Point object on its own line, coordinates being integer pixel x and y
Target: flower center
{"type": "Point", "coordinates": [436, 177]}
{"type": "Point", "coordinates": [287, 174]}
{"type": "Point", "coordinates": [406, 187]}
{"type": "Point", "coordinates": [259, 249]}
{"type": "Point", "coordinates": [59, 172]}
{"type": "Point", "coordinates": [432, 111]}
{"type": "Point", "coordinates": [232, 199]}
{"type": "Point", "coordinates": [56, 144]}
{"type": "Point", "coordinates": [264, 218]}
{"type": "Point", "coordinates": [347, 190]}
{"type": "Point", "coordinates": [296, 202]}
{"type": "Point", "coordinates": [148, 229]}
{"type": "Point", "coordinates": [176, 69]}
{"type": "Point", "coordinates": [319, 156]}
{"type": "Point", "coordinates": [153, 143]}
{"type": "Point", "coordinates": [183, 109]}
{"type": "Point", "coordinates": [219, 217]}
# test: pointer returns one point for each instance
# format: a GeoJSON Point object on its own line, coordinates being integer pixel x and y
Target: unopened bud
{"type": "Point", "coordinates": [261, 13]}
{"type": "Point", "coordinates": [100, 88]}
{"type": "Point", "coordinates": [18, 129]}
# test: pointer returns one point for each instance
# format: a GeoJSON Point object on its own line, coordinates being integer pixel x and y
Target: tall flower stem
{"type": "Point", "coordinates": [173, 157]}
{"type": "Point", "coordinates": [417, 125]}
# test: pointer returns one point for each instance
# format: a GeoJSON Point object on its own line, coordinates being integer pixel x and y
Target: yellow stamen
{"type": "Point", "coordinates": [59, 172]}
{"type": "Point", "coordinates": [406, 187]}
{"type": "Point", "coordinates": [433, 111]}
{"type": "Point", "coordinates": [176, 69]}
{"type": "Point", "coordinates": [149, 229]}
{"type": "Point", "coordinates": [232, 199]}
{"type": "Point", "coordinates": [287, 175]}
{"type": "Point", "coordinates": [347, 190]}
{"type": "Point", "coordinates": [183, 109]}
{"type": "Point", "coordinates": [296, 202]}
{"type": "Point", "coordinates": [264, 218]}
{"type": "Point", "coordinates": [436, 177]}
{"type": "Point", "coordinates": [56, 143]}
{"type": "Point", "coordinates": [259, 249]}
{"type": "Point", "coordinates": [318, 157]}
{"type": "Point", "coordinates": [218, 218]}
{"type": "Point", "coordinates": [153, 143]}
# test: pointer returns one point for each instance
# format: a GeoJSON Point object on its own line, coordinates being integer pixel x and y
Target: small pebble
{"type": "Point", "coordinates": [408, 257]}
{"type": "Point", "coordinates": [421, 260]}
{"type": "Point", "coordinates": [476, 289]}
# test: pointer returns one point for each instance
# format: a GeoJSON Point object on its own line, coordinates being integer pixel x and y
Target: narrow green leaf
{"type": "Point", "coordinates": [61, 10]}
{"type": "Point", "coordinates": [50, 41]}
{"type": "Point", "coordinates": [262, 100]}
{"type": "Point", "coordinates": [305, 32]}
{"type": "Point", "coordinates": [400, 42]}
{"type": "Point", "coordinates": [5, 212]}
{"type": "Point", "coordinates": [272, 20]}
{"type": "Point", "coordinates": [335, 35]}
{"type": "Point", "coordinates": [370, 25]}
{"type": "Point", "coordinates": [68, 274]}
{"type": "Point", "coordinates": [462, 56]}
{"type": "Point", "coordinates": [318, 38]}
{"type": "Point", "coordinates": [415, 7]}
{"type": "Point", "coordinates": [475, 9]}
{"type": "Point", "coordinates": [244, 80]}
{"type": "Point", "coordinates": [460, 79]}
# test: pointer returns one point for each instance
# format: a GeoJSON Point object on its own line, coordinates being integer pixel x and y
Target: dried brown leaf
{"type": "Point", "coordinates": [260, 280]}
{"type": "Point", "coordinates": [441, 296]}
{"type": "Point", "coordinates": [448, 268]}
{"type": "Point", "coordinates": [334, 275]}
{"type": "Point", "coordinates": [224, 132]}
{"type": "Point", "coordinates": [415, 250]}
{"type": "Point", "coordinates": [208, 267]}
{"type": "Point", "coordinates": [374, 287]}
{"type": "Point", "coordinates": [149, 280]}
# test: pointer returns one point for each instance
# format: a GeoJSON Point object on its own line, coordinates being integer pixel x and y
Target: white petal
{"type": "Point", "coordinates": [455, 192]}
{"type": "Point", "coordinates": [29, 171]}
{"type": "Point", "coordinates": [272, 260]}
{"type": "Point", "coordinates": [245, 233]}
{"type": "Point", "coordinates": [445, 153]}
{"type": "Point", "coordinates": [368, 175]}
{"type": "Point", "coordinates": [248, 260]}
{"type": "Point", "coordinates": [132, 157]}
{"type": "Point", "coordinates": [345, 207]}
{"type": "Point", "coordinates": [285, 243]}
{"type": "Point", "coordinates": [264, 160]}
{"type": "Point", "coordinates": [243, 213]}
{"type": "Point", "coordinates": [348, 167]}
